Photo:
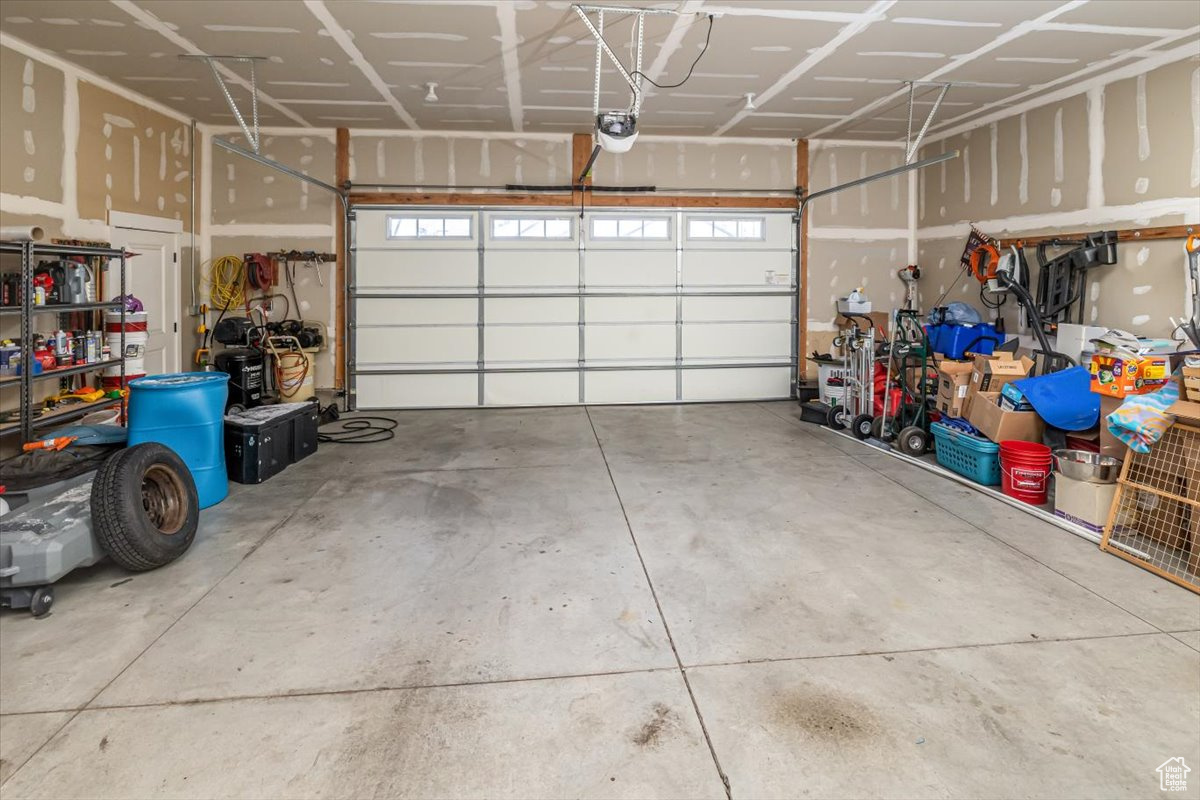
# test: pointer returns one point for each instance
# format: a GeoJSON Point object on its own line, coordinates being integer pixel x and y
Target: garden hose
{"type": "Point", "coordinates": [227, 282]}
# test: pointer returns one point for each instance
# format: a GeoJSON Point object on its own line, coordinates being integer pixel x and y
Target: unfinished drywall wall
{"type": "Point", "coordinates": [859, 237]}
{"type": "Point", "coordinates": [248, 193]}
{"type": "Point", "coordinates": [75, 148]}
{"type": "Point", "coordinates": [675, 164]}
{"type": "Point", "coordinates": [31, 96]}
{"type": "Point", "coordinates": [455, 160]}
{"type": "Point", "coordinates": [131, 158]}
{"type": "Point", "coordinates": [1120, 155]}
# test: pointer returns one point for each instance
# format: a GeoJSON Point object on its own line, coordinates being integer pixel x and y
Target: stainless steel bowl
{"type": "Point", "coordinates": [1084, 466]}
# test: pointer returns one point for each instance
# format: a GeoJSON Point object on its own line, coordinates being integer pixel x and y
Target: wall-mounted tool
{"type": "Point", "coordinates": [1189, 325]}
{"type": "Point", "coordinates": [909, 275]}
{"type": "Point", "coordinates": [1062, 280]}
{"type": "Point", "coordinates": [1001, 275]}
{"type": "Point", "coordinates": [261, 272]}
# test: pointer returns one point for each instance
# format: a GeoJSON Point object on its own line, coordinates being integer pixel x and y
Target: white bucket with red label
{"type": "Point", "coordinates": [137, 337]}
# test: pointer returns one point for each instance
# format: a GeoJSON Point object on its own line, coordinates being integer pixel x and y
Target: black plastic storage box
{"type": "Point", "coordinates": [304, 431]}
{"type": "Point", "coordinates": [261, 442]}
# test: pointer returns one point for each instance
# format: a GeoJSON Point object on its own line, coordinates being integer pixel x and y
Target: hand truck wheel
{"type": "Point", "coordinates": [836, 418]}
{"type": "Point", "coordinates": [912, 441]}
{"type": "Point", "coordinates": [863, 426]}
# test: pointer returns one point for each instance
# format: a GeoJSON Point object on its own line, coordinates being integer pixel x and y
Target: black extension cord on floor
{"type": "Point", "coordinates": [357, 430]}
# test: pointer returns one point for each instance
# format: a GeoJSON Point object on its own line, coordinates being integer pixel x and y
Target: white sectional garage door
{"type": "Point", "coordinates": [498, 307]}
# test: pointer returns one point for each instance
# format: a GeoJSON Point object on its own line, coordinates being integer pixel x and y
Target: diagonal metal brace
{"type": "Point", "coordinates": [250, 131]}
{"type": "Point", "coordinates": [602, 47]}
{"type": "Point", "coordinates": [911, 145]}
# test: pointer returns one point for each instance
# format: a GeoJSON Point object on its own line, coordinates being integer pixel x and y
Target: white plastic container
{"type": "Point", "coordinates": [136, 338]}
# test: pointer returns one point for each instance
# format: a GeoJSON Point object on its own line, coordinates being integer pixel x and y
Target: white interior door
{"type": "Point", "coordinates": [153, 277]}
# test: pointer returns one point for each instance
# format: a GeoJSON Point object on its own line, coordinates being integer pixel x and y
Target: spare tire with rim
{"type": "Point", "coordinates": [144, 507]}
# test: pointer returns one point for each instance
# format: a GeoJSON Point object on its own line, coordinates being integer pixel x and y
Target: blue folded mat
{"type": "Point", "coordinates": [91, 434]}
{"type": "Point", "coordinates": [1064, 399]}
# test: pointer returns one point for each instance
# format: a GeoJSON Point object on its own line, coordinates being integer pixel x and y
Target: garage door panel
{"type": "Point", "coordinates": [415, 391]}
{"type": "Point", "coordinates": [759, 309]}
{"type": "Point", "coordinates": [372, 230]}
{"type": "Point", "coordinates": [748, 342]}
{"type": "Point", "coordinates": [390, 312]}
{"type": "Point", "coordinates": [736, 384]}
{"type": "Point", "coordinates": [634, 386]}
{"type": "Point", "coordinates": [524, 344]}
{"type": "Point", "coordinates": [538, 270]}
{"type": "Point", "coordinates": [629, 309]}
{"type": "Point", "coordinates": [531, 388]}
{"type": "Point", "coordinates": [630, 343]}
{"type": "Point", "coordinates": [761, 269]}
{"type": "Point", "coordinates": [775, 231]}
{"type": "Point", "coordinates": [439, 251]}
{"type": "Point", "coordinates": [397, 346]}
{"type": "Point", "coordinates": [499, 311]}
{"type": "Point", "coordinates": [378, 271]}
{"type": "Point", "coordinates": [626, 269]}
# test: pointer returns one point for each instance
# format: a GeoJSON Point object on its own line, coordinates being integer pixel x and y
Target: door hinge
{"type": "Point", "coordinates": [176, 328]}
{"type": "Point", "coordinates": [175, 258]}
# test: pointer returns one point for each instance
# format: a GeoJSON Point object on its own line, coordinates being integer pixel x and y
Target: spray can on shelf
{"type": "Point", "coordinates": [78, 348]}
{"type": "Point", "coordinates": [62, 348]}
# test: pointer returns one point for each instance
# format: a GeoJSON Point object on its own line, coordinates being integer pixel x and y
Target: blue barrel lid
{"type": "Point", "coordinates": [179, 380]}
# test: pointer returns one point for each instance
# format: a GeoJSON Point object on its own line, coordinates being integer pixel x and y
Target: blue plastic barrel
{"type": "Point", "coordinates": [185, 411]}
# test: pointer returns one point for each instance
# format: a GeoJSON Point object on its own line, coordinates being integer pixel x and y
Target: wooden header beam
{"type": "Point", "coordinates": [595, 200]}
{"type": "Point", "coordinates": [341, 280]}
{"type": "Point", "coordinates": [802, 276]}
{"type": "Point", "coordinates": [1126, 235]}
{"type": "Point", "coordinates": [581, 151]}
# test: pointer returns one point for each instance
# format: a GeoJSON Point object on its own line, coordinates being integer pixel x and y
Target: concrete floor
{"type": "Point", "coordinates": [612, 602]}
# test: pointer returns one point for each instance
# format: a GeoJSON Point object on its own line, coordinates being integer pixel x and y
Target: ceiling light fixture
{"type": "Point", "coordinates": [431, 95]}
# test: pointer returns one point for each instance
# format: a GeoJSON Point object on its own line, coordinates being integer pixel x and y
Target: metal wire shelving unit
{"type": "Point", "coordinates": [28, 252]}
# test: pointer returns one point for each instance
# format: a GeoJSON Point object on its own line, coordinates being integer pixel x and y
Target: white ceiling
{"type": "Point", "coordinates": [817, 68]}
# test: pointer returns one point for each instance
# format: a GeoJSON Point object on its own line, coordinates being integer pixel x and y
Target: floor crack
{"type": "Point", "coordinates": [666, 627]}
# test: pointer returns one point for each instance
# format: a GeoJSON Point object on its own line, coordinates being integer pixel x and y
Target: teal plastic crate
{"type": "Point", "coordinates": [970, 456]}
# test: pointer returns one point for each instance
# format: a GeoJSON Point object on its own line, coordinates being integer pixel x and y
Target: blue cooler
{"type": "Point", "coordinates": [185, 412]}
{"type": "Point", "coordinates": [954, 340]}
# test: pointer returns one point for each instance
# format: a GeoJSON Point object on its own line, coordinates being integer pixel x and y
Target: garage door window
{"type": "Point", "coordinates": [731, 228]}
{"type": "Point", "coordinates": [653, 228]}
{"type": "Point", "coordinates": [539, 228]}
{"type": "Point", "coordinates": [405, 227]}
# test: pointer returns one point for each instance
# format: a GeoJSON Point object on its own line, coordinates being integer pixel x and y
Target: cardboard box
{"type": "Point", "coordinates": [1118, 376]}
{"type": "Point", "coordinates": [1109, 444]}
{"type": "Point", "coordinates": [999, 425]}
{"type": "Point", "coordinates": [954, 378]}
{"type": "Point", "coordinates": [990, 373]}
{"type": "Point", "coordinates": [1084, 503]}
